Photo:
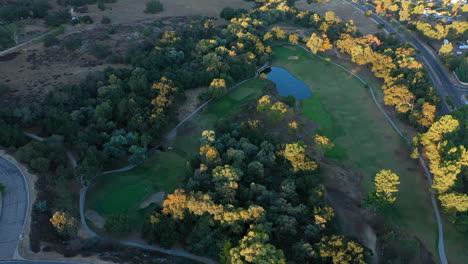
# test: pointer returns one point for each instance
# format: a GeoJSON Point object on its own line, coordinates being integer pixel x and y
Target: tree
{"type": "Point", "coordinates": [103, 112]}
{"type": "Point", "coordinates": [40, 164]}
{"type": "Point", "coordinates": [405, 10]}
{"type": "Point", "coordinates": [322, 143]}
{"type": "Point", "coordinates": [315, 43]}
{"type": "Point", "coordinates": [153, 7]}
{"type": "Point", "coordinates": [64, 223]}
{"type": "Point", "coordinates": [341, 250]}
{"type": "Point", "coordinates": [274, 111]}
{"type": "Point", "coordinates": [160, 229]}
{"type": "Point", "coordinates": [253, 248]}
{"type": "Point", "coordinates": [296, 155]}
{"type": "Point", "coordinates": [294, 38]}
{"type": "Point", "coordinates": [225, 179]}
{"type": "Point", "coordinates": [105, 20]}
{"type": "Point", "coordinates": [90, 166]}
{"type": "Point", "coordinates": [400, 97]}
{"type": "Point", "coordinates": [2, 188]}
{"type": "Point", "coordinates": [12, 30]}
{"type": "Point", "coordinates": [329, 16]}
{"type": "Point", "coordinates": [209, 155]}
{"type": "Point", "coordinates": [458, 201]}
{"type": "Point", "coordinates": [427, 116]}
{"type": "Point", "coordinates": [138, 154]}
{"type": "Point", "coordinates": [386, 185]}
{"type": "Point", "coordinates": [446, 48]}
{"type": "Point", "coordinates": [175, 204]}
{"type": "Point", "coordinates": [218, 87]}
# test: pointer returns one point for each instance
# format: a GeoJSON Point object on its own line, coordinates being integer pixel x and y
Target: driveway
{"type": "Point", "coordinates": [13, 212]}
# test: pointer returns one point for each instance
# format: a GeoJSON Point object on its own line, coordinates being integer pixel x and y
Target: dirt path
{"type": "Point", "coordinates": [23, 44]}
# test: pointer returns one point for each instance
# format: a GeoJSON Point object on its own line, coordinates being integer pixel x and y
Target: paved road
{"type": "Point", "coordinates": [436, 70]}
{"type": "Point", "coordinates": [15, 204]}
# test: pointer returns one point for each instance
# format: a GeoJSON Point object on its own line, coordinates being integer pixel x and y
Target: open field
{"type": "Point", "coordinates": [343, 11]}
{"type": "Point", "coordinates": [355, 123]}
{"type": "Point", "coordinates": [130, 11]}
{"type": "Point", "coordinates": [165, 171]}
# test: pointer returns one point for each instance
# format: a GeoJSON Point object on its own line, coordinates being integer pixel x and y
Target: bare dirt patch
{"type": "Point", "coordinates": [344, 11]}
{"type": "Point", "coordinates": [191, 103]}
{"type": "Point", "coordinates": [156, 198]}
{"type": "Point", "coordinates": [34, 71]}
{"type": "Point", "coordinates": [129, 11]}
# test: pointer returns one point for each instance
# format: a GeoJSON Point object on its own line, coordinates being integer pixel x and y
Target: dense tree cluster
{"type": "Point", "coordinates": [251, 200]}
{"type": "Point", "coordinates": [445, 146]}
{"type": "Point", "coordinates": [116, 114]}
{"type": "Point", "coordinates": [405, 83]}
{"type": "Point", "coordinates": [21, 9]}
{"type": "Point", "coordinates": [454, 31]}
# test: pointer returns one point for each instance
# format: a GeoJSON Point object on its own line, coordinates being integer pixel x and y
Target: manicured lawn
{"type": "Point", "coordinates": [165, 171]}
{"type": "Point", "coordinates": [343, 107]}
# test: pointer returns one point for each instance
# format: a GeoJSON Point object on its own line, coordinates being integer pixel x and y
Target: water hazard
{"type": "Point", "coordinates": [287, 84]}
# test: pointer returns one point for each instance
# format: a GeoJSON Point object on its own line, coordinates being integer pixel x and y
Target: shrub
{"type": "Point", "coordinates": [55, 19]}
{"type": "Point", "coordinates": [289, 100]}
{"type": "Point", "coordinates": [51, 40]}
{"type": "Point", "coordinates": [204, 95]}
{"type": "Point", "coordinates": [462, 72]}
{"type": "Point", "coordinates": [2, 187]}
{"type": "Point", "coordinates": [153, 6]}
{"type": "Point", "coordinates": [101, 6]}
{"type": "Point", "coordinates": [40, 164]}
{"type": "Point", "coordinates": [100, 51]}
{"type": "Point", "coordinates": [105, 20]}
{"type": "Point", "coordinates": [449, 102]}
{"type": "Point", "coordinates": [229, 13]}
{"type": "Point", "coordinates": [114, 59]}
{"type": "Point", "coordinates": [4, 89]}
{"type": "Point", "coordinates": [41, 206]}
{"type": "Point", "coordinates": [72, 44]}
{"type": "Point", "coordinates": [86, 20]}
{"type": "Point", "coordinates": [117, 224]}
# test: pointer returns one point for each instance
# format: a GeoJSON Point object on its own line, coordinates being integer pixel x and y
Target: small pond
{"type": "Point", "coordinates": [287, 84]}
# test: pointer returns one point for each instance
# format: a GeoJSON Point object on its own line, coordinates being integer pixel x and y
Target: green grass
{"type": "Point", "coordinates": [344, 109]}
{"type": "Point", "coordinates": [165, 171]}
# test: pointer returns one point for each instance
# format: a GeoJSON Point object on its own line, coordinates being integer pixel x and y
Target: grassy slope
{"type": "Point", "coordinates": [344, 109]}
{"type": "Point", "coordinates": [355, 123]}
{"type": "Point", "coordinates": [164, 171]}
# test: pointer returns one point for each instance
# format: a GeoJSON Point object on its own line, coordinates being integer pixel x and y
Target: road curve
{"type": "Point", "coordinates": [14, 209]}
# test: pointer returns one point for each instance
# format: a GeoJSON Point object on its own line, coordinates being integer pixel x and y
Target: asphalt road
{"type": "Point", "coordinates": [436, 71]}
{"type": "Point", "coordinates": [13, 213]}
